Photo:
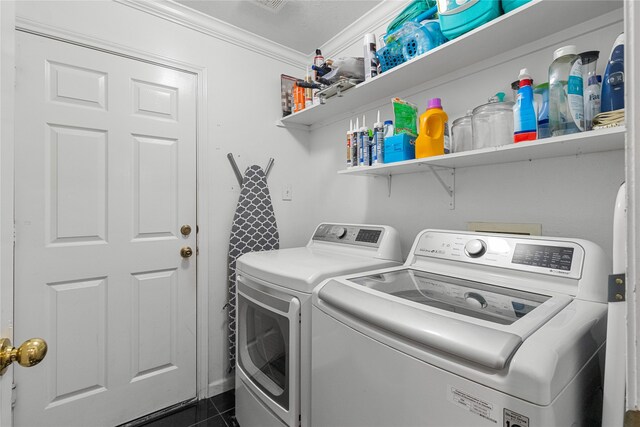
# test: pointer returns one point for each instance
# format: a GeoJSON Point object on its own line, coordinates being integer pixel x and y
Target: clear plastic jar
{"type": "Point", "coordinates": [492, 124]}
{"type": "Point", "coordinates": [461, 134]}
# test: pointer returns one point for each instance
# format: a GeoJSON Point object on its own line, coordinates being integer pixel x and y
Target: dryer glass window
{"type": "Point", "coordinates": [474, 299]}
{"type": "Point", "coordinates": [263, 350]}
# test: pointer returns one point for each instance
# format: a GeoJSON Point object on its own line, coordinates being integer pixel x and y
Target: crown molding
{"type": "Point", "coordinates": [192, 19]}
{"type": "Point", "coordinates": [380, 15]}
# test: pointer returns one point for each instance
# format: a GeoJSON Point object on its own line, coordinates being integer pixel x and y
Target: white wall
{"type": "Point", "coordinates": [243, 104]}
{"type": "Point", "coordinates": [570, 196]}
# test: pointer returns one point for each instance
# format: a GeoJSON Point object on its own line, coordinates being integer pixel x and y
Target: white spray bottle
{"type": "Point", "coordinates": [358, 135]}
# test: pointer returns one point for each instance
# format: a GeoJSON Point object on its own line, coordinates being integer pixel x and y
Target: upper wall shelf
{"type": "Point", "coordinates": [529, 23]}
{"type": "Point", "coordinates": [568, 145]}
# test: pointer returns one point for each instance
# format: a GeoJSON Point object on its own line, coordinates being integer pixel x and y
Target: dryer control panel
{"type": "Point", "coordinates": [554, 257]}
{"type": "Point", "coordinates": [349, 234]}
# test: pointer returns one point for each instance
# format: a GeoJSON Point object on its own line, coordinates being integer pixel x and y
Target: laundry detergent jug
{"type": "Point", "coordinates": [460, 16]}
{"type": "Point", "coordinates": [430, 141]}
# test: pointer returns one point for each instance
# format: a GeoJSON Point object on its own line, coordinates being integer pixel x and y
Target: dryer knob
{"type": "Point", "coordinates": [475, 300]}
{"type": "Point", "coordinates": [475, 248]}
{"type": "Point", "coordinates": [341, 232]}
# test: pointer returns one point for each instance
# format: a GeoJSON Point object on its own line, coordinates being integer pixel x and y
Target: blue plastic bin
{"type": "Point", "coordinates": [459, 16]}
{"type": "Point", "coordinates": [399, 147]}
{"type": "Point", "coordinates": [509, 5]}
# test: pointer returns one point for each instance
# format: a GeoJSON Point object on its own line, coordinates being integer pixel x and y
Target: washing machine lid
{"type": "Point", "coordinates": [301, 269]}
{"type": "Point", "coordinates": [478, 322]}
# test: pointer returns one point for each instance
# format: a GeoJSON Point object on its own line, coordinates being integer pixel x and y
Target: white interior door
{"type": "Point", "coordinates": [105, 177]}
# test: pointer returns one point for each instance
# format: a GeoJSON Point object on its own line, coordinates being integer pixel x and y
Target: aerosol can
{"type": "Point", "coordinates": [613, 81]}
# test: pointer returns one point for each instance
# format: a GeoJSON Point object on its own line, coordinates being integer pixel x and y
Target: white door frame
{"type": "Point", "coordinates": [632, 112]}
{"type": "Point", "coordinates": [203, 178]}
{"type": "Point", "coordinates": [7, 80]}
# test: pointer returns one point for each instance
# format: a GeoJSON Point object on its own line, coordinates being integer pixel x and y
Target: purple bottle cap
{"type": "Point", "coordinates": [434, 103]}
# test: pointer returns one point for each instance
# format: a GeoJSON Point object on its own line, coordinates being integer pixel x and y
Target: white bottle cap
{"type": "Point", "coordinates": [363, 125]}
{"type": "Point", "coordinates": [565, 50]}
{"type": "Point", "coordinates": [524, 75]}
{"type": "Point", "coordinates": [369, 38]}
{"type": "Point", "coordinates": [357, 124]}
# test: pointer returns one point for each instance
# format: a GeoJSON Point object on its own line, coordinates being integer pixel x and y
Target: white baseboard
{"type": "Point", "coordinates": [221, 385]}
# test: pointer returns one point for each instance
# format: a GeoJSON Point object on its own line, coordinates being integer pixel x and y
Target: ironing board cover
{"type": "Point", "coordinates": [254, 229]}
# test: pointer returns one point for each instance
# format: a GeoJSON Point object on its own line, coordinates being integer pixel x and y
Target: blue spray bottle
{"type": "Point", "coordinates": [613, 81]}
{"type": "Point", "coordinates": [524, 115]}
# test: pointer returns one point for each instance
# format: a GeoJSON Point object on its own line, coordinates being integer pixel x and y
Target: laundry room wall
{"type": "Point", "coordinates": [243, 104]}
{"type": "Point", "coordinates": [568, 196]}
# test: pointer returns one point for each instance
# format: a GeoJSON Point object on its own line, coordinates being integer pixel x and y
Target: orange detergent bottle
{"type": "Point", "coordinates": [430, 141]}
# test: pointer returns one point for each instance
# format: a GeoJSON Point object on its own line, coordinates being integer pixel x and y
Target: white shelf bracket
{"type": "Point", "coordinates": [389, 185]}
{"type": "Point", "coordinates": [450, 184]}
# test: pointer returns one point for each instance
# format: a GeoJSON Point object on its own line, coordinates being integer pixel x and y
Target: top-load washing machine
{"type": "Point", "coordinates": [474, 330]}
{"type": "Point", "coordinates": [274, 316]}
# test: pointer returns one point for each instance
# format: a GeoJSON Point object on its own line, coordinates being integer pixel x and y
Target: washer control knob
{"type": "Point", "coordinates": [475, 300]}
{"type": "Point", "coordinates": [475, 248]}
{"type": "Point", "coordinates": [341, 232]}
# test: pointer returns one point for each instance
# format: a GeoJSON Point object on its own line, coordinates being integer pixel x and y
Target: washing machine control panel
{"type": "Point", "coordinates": [557, 258]}
{"type": "Point", "coordinates": [349, 234]}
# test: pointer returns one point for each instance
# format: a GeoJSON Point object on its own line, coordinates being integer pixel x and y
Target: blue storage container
{"type": "Point", "coordinates": [509, 5]}
{"type": "Point", "coordinates": [399, 147]}
{"type": "Point", "coordinates": [460, 16]}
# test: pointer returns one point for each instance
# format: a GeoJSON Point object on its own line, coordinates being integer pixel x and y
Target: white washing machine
{"type": "Point", "coordinates": [474, 330]}
{"type": "Point", "coordinates": [273, 368]}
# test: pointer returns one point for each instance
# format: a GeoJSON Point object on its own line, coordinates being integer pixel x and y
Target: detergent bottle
{"type": "Point", "coordinates": [524, 115]}
{"type": "Point", "coordinates": [430, 141]}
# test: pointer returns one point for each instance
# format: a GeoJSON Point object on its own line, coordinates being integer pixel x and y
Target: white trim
{"type": "Point", "coordinates": [222, 385]}
{"type": "Point", "coordinates": [7, 98]}
{"type": "Point", "coordinates": [632, 111]}
{"type": "Point", "coordinates": [380, 15]}
{"type": "Point", "coordinates": [203, 172]}
{"type": "Point", "coordinates": [198, 21]}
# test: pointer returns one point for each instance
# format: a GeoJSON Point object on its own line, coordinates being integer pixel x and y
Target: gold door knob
{"type": "Point", "coordinates": [185, 230]}
{"type": "Point", "coordinates": [186, 252]}
{"type": "Point", "coordinates": [30, 353]}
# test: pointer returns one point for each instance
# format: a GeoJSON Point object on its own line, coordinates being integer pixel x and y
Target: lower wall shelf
{"type": "Point", "coordinates": [569, 145]}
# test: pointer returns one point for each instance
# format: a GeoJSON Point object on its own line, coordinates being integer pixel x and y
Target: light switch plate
{"type": "Point", "coordinates": [287, 192]}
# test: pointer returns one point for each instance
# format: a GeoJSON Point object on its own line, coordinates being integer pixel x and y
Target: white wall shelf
{"type": "Point", "coordinates": [534, 21]}
{"type": "Point", "coordinates": [570, 145]}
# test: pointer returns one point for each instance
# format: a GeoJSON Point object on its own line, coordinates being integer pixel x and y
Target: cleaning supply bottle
{"type": "Point", "coordinates": [613, 81]}
{"type": "Point", "coordinates": [359, 140]}
{"type": "Point", "coordinates": [365, 144]}
{"type": "Point", "coordinates": [566, 106]}
{"type": "Point", "coordinates": [349, 152]}
{"type": "Point", "coordinates": [592, 91]}
{"type": "Point", "coordinates": [371, 62]}
{"type": "Point", "coordinates": [377, 150]}
{"type": "Point", "coordinates": [543, 110]}
{"type": "Point", "coordinates": [389, 129]}
{"type": "Point", "coordinates": [524, 115]}
{"type": "Point", "coordinates": [318, 61]}
{"type": "Point", "coordinates": [430, 141]}
{"type": "Point", "coordinates": [354, 144]}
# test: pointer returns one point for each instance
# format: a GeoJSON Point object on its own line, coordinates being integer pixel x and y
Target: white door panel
{"type": "Point", "coordinates": [105, 177]}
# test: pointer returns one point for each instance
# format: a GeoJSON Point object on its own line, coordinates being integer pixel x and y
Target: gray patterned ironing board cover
{"type": "Point", "coordinates": [254, 229]}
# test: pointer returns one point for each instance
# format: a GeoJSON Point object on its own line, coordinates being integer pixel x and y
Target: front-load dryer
{"type": "Point", "coordinates": [474, 330]}
{"type": "Point", "coordinates": [273, 371]}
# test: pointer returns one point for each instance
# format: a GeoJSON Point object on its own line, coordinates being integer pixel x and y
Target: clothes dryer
{"type": "Point", "coordinates": [273, 369]}
{"type": "Point", "coordinates": [474, 330]}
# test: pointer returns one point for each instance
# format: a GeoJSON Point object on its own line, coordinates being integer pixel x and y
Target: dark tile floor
{"type": "Point", "coordinates": [217, 411]}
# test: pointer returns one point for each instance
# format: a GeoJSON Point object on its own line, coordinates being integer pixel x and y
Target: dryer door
{"type": "Point", "coordinates": [268, 346]}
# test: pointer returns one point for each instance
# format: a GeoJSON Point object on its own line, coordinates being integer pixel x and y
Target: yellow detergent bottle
{"type": "Point", "coordinates": [430, 141]}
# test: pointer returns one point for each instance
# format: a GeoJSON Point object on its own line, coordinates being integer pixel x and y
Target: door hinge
{"type": "Point", "coordinates": [13, 395]}
{"type": "Point", "coordinates": [617, 288]}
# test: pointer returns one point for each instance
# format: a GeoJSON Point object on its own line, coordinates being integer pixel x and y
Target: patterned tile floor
{"type": "Point", "coordinates": [217, 411]}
